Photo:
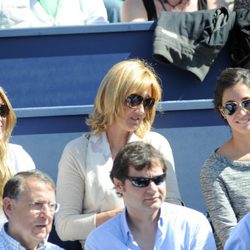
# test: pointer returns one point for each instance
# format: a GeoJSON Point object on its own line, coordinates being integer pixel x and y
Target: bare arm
{"type": "Point", "coordinates": [104, 216]}
{"type": "Point", "coordinates": [133, 11]}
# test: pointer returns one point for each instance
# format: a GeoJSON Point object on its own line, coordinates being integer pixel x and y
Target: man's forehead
{"type": "Point", "coordinates": [32, 185]}
{"type": "Point", "coordinates": [154, 165]}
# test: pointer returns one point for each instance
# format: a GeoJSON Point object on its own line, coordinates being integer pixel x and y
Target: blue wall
{"type": "Point", "coordinates": [52, 75]}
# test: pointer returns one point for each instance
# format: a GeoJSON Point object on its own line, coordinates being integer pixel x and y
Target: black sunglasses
{"type": "Point", "coordinates": [4, 110]}
{"type": "Point", "coordinates": [231, 107]}
{"type": "Point", "coordinates": [142, 182]}
{"type": "Point", "coordinates": [135, 100]}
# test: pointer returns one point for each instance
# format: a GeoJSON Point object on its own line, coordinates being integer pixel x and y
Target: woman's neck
{"type": "Point", "coordinates": [237, 148]}
{"type": "Point", "coordinates": [173, 5]}
{"type": "Point", "coordinates": [117, 139]}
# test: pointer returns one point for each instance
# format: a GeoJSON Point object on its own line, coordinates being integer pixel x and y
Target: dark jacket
{"type": "Point", "coordinates": [240, 39]}
{"type": "Point", "coordinates": [192, 40]}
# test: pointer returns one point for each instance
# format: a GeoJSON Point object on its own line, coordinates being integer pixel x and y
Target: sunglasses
{"type": "Point", "coordinates": [142, 182]}
{"type": "Point", "coordinates": [231, 107]}
{"type": "Point", "coordinates": [135, 100]}
{"type": "Point", "coordinates": [4, 110]}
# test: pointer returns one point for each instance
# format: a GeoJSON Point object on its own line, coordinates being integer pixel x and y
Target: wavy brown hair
{"type": "Point", "coordinates": [5, 170]}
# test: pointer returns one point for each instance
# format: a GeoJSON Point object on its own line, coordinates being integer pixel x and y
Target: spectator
{"type": "Point", "coordinates": [29, 204]}
{"type": "Point", "coordinates": [124, 111]}
{"type": "Point", "coordinates": [13, 158]}
{"type": "Point", "coordinates": [147, 10]}
{"type": "Point", "coordinates": [42, 13]}
{"type": "Point", "coordinates": [240, 237]}
{"type": "Point", "coordinates": [225, 175]}
{"type": "Point", "coordinates": [147, 222]}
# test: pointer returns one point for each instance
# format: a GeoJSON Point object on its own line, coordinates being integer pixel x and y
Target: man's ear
{"type": "Point", "coordinates": [8, 206]}
{"type": "Point", "coordinates": [119, 185]}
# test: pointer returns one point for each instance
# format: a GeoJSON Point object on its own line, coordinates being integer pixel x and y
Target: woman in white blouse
{"type": "Point", "coordinates": [13, 158]}
{"type": "Point", "coordinates": [124, 111]}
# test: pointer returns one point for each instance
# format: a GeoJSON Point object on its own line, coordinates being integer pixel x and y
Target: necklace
{"type": "Point", "coordinates": [50, 6]}
{"type": "Point", "coordinates": [173, 6]}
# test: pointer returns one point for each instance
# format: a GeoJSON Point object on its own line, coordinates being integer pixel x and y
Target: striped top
{"type": "Point", "coordinates": [226, 187]}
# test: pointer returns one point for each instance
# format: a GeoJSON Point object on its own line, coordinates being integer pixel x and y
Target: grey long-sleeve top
{"type": "Point", "coordinates": [226, 188]}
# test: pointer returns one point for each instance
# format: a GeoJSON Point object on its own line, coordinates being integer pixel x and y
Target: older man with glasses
{"type": "Point", "coordinates": [29, 205]}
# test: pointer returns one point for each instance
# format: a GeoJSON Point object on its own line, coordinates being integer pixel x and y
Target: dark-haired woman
{"type": "Point", "coordinates": [225, 176]}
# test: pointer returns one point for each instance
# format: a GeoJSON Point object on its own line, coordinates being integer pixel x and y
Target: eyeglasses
{"type": "Point", "coordinates": [142, 182]}
{"type": "Point", "coordinates": [39, 205]}
{"type": "Point", "coordinates": [4, 110]}
{"type": "Point", "coordinates": [231, 107]}
{"type": "Point", "coordinates": [135, 100]}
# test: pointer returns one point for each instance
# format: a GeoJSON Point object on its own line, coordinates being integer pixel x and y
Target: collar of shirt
{"type": "Point", "coordinates": [128, 236]}
{"type": "Point", "coordinates": [11, 243]}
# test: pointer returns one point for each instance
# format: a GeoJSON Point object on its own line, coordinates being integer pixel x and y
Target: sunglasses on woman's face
{"type": "Point", "coordinates": [142, 182]}
{"type": "Point", "coordinates": [4, 110]}
{"type": "Point", "coordinates": [135, 100]}
{"type": "Point", "coordinates": [231, 107]}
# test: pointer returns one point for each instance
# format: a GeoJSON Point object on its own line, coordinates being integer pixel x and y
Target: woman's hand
{"type": "Point", "coordinates": [104, 216]}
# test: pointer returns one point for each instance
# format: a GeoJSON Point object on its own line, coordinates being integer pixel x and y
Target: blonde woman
{"type": "Point", "coordinates": [124, 111]}
{"type": "Point", "coordinates": [13, 158]}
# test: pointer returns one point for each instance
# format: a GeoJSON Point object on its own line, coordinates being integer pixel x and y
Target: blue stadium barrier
{"type": "Point", "coordinates": [51, 76]}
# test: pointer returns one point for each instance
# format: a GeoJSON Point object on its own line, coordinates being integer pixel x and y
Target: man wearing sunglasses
{"type": "Point", "coordinates": [147, 222]}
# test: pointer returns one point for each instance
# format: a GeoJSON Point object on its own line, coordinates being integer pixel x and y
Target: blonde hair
{"type": "Point", "coordinates": [5, 170]}
{"type": "Point", "coordinates": [123, 79]}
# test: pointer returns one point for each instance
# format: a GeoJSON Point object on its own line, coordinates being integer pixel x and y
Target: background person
{"type": "Point", "coordinates": [147, 222]}
{"type": "Point", "coordinates": [29, 204]}
{"type": "Point", "coordinates": [13, 158]}
{"type": "Point", "coordinates": [241, 4]}
{"type": "Point", "coordinates": [47, 13]}
{"type": "Point", "coordinates": [124, 111]}
{"type": "Point", "coordinates": [225, 176]}
{"type": "Point", "coordinates": [141, 10]}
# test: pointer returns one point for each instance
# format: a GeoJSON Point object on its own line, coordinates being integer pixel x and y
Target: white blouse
{"type": "Point", "coordinates": [84, 187]}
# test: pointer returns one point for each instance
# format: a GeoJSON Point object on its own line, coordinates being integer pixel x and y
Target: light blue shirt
{"type": "Point", "coordinates": [9, 243]}
{"type": "Point", "coordinates": [240, 236]}
{"type": "Point", "coordinates": [179, 228]}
